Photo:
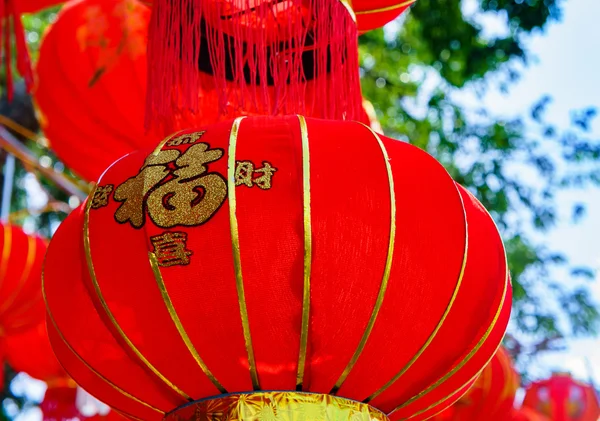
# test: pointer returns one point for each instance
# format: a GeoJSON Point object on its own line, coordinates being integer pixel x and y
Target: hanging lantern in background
{"type": "Point", "coordinates": [30, 352]}
{"type": "Point", "coordinates": [93, 113]}
{"type": "Point", "coordinates": [258, 55]}
{"type": "Point", "coordinates": [562, 398]}
{"type": "Point", "coordinates": [492, 396]}
{"type": "Point", "coordinates": [21, 303]}
{"type": "Point", "coordinates": [10, 19]}
{"type": "Point", "coordinates": [84, 110]}
{"type": "Point", "coordinates": [262, 256]}
{"type": "Point", "coordinates": [528, 414]}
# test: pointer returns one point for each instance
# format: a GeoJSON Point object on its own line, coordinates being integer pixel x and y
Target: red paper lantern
{"type": "Point", "coordinates": [21, 304]}
{"type": "Point", "coordinates": [492, 396]}
{"type": "Point", "coordinates": [285, 255]}
{"type": "Point", "coordinates": [563, 398]}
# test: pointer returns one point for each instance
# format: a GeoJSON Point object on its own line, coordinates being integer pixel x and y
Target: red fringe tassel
{"type": "Point", "coordinates": [10, 25]}
{"type": "Point", "coordinates": [268, 57]}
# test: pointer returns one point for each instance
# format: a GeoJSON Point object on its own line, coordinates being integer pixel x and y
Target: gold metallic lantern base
{"type": "Point", "coordinates": [276, 406]}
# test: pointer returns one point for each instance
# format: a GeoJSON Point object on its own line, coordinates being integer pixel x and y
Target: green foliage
{"type": "Point", "coordinates": [415, 77]}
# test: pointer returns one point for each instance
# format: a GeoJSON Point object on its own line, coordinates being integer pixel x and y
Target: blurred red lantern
{"type": "Point", "coordinates": [21, 304]}
{"type": "Point", "coordinates": [282, 255]}
{"type": "Point", "coordinates": [563, 398]}
{"type": "Point", "coordinates": [84, 114]}
{"type": "Point", "coordinates": [528, 414]}
{"type": "Point", "coordinates": [492, 396]}
{"type": "Point", "coordinates": [10, 19]}
{"type": "Point", "coordinates": [30, 352]}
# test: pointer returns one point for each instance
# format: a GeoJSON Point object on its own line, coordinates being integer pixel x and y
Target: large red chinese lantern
{"type": "Point", "coordinates": [562, 398]}
{"type": "Point", "coordinates": [259, 54]}
{"type": "Point", "coordinates": [88, 119]}
{"type": "Point", "coordinates": [492, 396]}
{"type": "Point", "coordinates": [309, 258]}
{"type": "Point", "coordinates": [21, 304]}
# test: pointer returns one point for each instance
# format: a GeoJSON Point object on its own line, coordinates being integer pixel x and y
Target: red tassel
{"type": "Point", "coordinates": [10, 22]}
{"type": "Point", "coordinates": [271, 57]}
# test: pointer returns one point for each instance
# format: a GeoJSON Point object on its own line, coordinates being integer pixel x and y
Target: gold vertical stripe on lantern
{"type": "Point", "coordinates": [386, 272]}
{"type": "Point", "coordinates": [307, 251]}
{"type": "Point", "coordinates": [440, 323]}
{"type": "Point", "coordinates": [177, 322]}
{"type": "Point", "coordinates": [108, 312]}
{"type": "Point", "coordinates": [467, 358]}
{"type": "Point", "coordinates": [235, 244]}
{"type": "Point", "coordinates": [30, 260]}
{"type": "Point", "coordinates": [6, 246]}
{"type": "Point", "coordinates": [439, 402]}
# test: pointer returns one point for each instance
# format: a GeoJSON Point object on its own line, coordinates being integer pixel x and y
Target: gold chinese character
{"type": "Point", "coordinates": [243, 173]}
{"type": "Point", "coordinates": [186, 139]}
{"type": "Point", "coordinates": [264, 181]}
{"type": "Point", "coordinates": [175, 188]}
{"type": "Point", "coordinates": [101, 195]}
{"type": "Point", "coordinates": [133, 193]}
{"type": "Point", "coordinates": [170, 249]}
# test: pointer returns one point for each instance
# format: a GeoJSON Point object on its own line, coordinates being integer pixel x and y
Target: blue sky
{"type": "Point", "coordinates": [566, 67]}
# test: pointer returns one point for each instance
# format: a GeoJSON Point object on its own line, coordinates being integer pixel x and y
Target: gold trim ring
{"type": "Point", "coordinates": [276, 406]}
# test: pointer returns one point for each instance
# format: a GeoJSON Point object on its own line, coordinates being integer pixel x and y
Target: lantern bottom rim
{"type": "Point", "coordinates": [276, 406]}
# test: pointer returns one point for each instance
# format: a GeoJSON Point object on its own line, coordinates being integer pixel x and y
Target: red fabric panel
{"type": "Point", "coordinates": [75, 315]}
{"type": "Point", "coordinates": [468, 371]}
{"type": "Point", "coordinates": [481, 292]}
{"type": "Point", "coordinates": [491, 397]}
{"type": "Point", "coordinates": [354, 210]}
{"type": "Point", "coordinates": [93, 384]}
{"type": "Point", "coordinates": [422, 280]}
{"type": "Point", "coordinates": [271, 231]}
{"type": "Point", "coordinates": [450, 401]}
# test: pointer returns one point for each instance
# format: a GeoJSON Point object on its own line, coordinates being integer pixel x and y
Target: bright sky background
{"type": "Point", "coordinates": [568, 59]}
{"type": "Point", "coordinates": [567, 68]}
